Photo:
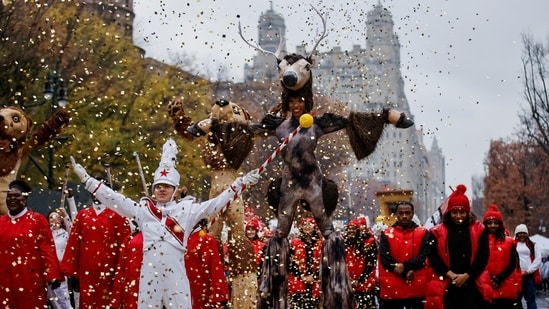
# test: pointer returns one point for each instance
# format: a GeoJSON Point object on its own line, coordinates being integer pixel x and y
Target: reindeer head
{"type": "Point", "coordinates": [294, 70]}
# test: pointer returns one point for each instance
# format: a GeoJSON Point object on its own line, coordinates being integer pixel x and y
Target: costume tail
{"type": "Point", "coordinates": [273, 281]}
{"type": "Point", "coordinates": [337, 292]}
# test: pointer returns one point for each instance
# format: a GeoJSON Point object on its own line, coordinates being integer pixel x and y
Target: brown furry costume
{"type": "Point", "coordinates": [227, 146]}
{"type": "Point", "coordinates": [302, 180]}
{"type": "Point", "coordinates": [15, 144]}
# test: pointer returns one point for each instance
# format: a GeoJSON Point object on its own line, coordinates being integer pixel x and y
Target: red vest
{"type": "Point", "coordinates": [436, 285]}
{"type": "Point", "coordinates": [356, 264]}
{"type": "Point", "coordinates": [499, 260]}
{"type": "Point", "coordinates": [295, 284]}
{"type": "Point", "coordinates": [404, 245]}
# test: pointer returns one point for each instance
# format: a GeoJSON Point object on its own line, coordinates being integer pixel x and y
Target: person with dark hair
{"type": "Point", "coordinates": [92, 252]}
{"type": "Point", "coordinates": [303, 271]}
{"type": "Point", "coordinates": [252, 233]}
{"type": "Point", "coordinates": [126, 278]}
{"type": "Point", "coordinates": [503, 265]}
{"type": "Point", "coordinates": [60, 297]}
{"type": "Point", "coordinates": [403, 250]}
{"type": "Point", "coordinates": [458, 254]}
{"type": "Point", "coordinates": [27, 253]}
{"type": "Point", "coordinates": [361, 258]}
{"type": "Point", "coordinates": [209, 288]}
{"type": "Point", "coordinates": [530, 261]}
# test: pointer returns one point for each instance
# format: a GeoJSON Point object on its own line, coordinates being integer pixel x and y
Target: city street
{"type": "Point", "coordinates": [542, 299]}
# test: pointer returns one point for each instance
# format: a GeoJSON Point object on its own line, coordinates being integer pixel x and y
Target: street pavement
{"type": "Point", "coordinates": [542, 299]}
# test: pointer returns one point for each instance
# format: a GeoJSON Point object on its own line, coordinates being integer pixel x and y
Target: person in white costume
{"type": "Point", "coordinates": [60, 297]}
{"type": "Point", "coordinates": [166, 226]}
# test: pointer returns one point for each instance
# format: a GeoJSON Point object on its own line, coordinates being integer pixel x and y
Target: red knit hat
{"type": "Point", "coordinates": [493, 213]}
{"type": "Point", "coordinates": [253, 224]}
{"type": "Point", "coordinates": [354, 223]}
{"type": "Point", "coordinates": [307, 220]}
{"type": "Point", "coordinates": [458, 199]}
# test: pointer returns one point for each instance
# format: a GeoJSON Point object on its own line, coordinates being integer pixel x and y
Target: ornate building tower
{"type": "Point", "coordinates": [271, 30]}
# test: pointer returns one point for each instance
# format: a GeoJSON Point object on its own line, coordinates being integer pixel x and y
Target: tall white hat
{"type": "Point", "coordinates": [166, 172]}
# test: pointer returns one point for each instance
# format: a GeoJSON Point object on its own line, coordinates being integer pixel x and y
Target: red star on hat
{"type": "Point", "coordinates": [164, 173]}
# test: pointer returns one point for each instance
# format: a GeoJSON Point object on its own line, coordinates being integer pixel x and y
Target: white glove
{"type": "Point", "coordinates": [80, 171]}
{"type": "Point", "coordinates": [251, 178]}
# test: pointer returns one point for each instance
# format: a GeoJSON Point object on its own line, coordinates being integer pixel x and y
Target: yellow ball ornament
{"type": "Point", "coordinates": [306, 121]}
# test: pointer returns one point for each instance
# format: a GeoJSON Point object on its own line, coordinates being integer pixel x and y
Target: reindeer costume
{"type": "Point", "coordinates": [302, 180]}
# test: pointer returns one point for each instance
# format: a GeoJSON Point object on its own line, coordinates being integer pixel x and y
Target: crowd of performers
{"type": "Point", "coordinates": [106, 261]}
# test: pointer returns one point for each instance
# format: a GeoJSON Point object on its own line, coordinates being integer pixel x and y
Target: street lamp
{"type": "Point", "coordinates": [55, 92]}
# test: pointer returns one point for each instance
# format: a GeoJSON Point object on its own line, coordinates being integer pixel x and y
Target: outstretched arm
{"type": "Point", "coordinates": [113, 200]}
{"type": "Point", "coordinates": [48, 130]}
{"type": "Point", "coordinates": [211, 207]}
{"type": "Point", "coordinates": [181, 121]}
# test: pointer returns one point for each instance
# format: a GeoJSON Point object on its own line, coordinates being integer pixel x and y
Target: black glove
{"type": "Point", "coordinates": [55, 284]}
{"type": "Point", "coordinates": [271, 122]}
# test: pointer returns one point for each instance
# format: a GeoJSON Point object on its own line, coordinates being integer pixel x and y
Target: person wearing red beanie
{"type": "Point", "coordinates": [304, 266]}
{"type": "Point", "coordinates": [459, 254]}
{"type": "Point", "coordinates": [252, 233]}
{"type": "Point", "coordinates": [503, 267]}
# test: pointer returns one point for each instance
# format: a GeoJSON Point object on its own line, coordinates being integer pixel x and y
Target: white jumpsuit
{"type": "Point", "coordinates": [163, 280]}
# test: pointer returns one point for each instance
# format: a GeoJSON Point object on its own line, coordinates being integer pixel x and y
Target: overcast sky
{"type": "Point", "coordinates": [461, 60]}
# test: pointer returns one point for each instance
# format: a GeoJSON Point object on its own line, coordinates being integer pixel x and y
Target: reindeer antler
{"type": "Point", "coordinates": [324, 34]}
{"type": "Point", "coordinates": [256, 46]}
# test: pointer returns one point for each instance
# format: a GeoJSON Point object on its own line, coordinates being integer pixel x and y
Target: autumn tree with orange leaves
{"type": "Point", "coordinates": [515, 176]}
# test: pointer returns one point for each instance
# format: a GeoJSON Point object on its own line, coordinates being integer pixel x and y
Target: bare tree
{"type": "Point", "coordinates": [535, 116]}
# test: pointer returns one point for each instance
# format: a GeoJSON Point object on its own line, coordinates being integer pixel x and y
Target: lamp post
{"type": "Point", "coordinates": [55, 92]}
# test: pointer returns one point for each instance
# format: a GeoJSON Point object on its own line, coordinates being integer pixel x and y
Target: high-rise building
{"type": "Point", "coordinates": [368, 79]}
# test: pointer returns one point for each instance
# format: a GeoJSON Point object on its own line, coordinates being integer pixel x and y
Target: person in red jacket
{"type": "Point", "coordinates": [458, 254]}
{"type": "Point", "coordinates": [361, 258]}
{"type": "Point", "coordinates": [205, 270]}
{"type": "Point", "coordinates": [92, 252]}
{"type": "Point", "coordinates": [303, 275]}
{"type": "Point", "coordinates": [27, 253]}
{"type": "Point", "coordinates": [403, 250]}
{"type": "Point", "coordinates": [503, 266]}
{"type": "Point", "coordinates": [252, 232]}
{"type": "Point", "coordinates": [126, 279]}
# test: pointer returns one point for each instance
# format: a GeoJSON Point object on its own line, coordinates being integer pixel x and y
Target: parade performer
{"type": "Point", "coordinates": [95, 231]}
{"type": "Point", "coordinates": [303, 276]}
{"type": "Point", "coordinates": [361, 258]}
{"type": "Point", "coordinates": [458, 254]}
{"type": "Point", "coordinates": [302, 181]}
{"type": "Point", "coordinates": [205, 270]}
{"type": "Point", "coordinates": [503, 266]}
{"type": "Point", "coordinates": [166, 226]}
{"type": "Point", "coordinates": [16, 143]}
{"type": "Point", "coordinates": [403, 250]}
{"type": "Point", "coordinates": [27, 251]}
{"type": "Point", "coordinates": [225, 147]}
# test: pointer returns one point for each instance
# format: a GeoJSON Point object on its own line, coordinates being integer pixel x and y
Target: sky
{"type": "Point", "coordinates": [460, 60]}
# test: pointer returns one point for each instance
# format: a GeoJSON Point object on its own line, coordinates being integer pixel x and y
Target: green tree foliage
{"type": "Point", "coordinates": [117, 99]}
